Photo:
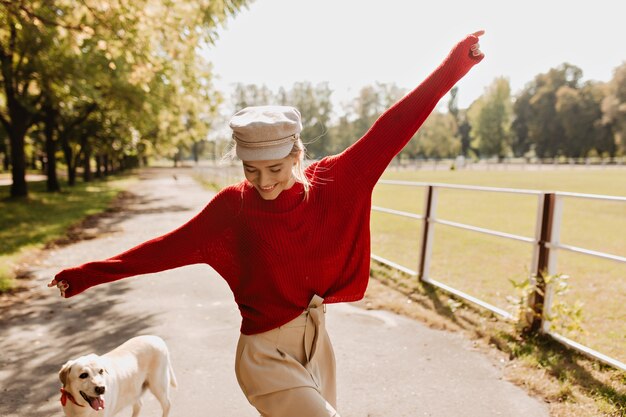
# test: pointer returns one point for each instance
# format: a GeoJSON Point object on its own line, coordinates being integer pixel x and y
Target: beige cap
{"type": "Point", "coordinates": [265, 132]}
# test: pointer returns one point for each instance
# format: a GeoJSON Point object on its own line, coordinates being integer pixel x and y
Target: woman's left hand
{"type": "Point", "coordinates": [475, 51]}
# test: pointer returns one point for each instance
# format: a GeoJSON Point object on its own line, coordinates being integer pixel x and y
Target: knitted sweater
{"type": "Point", "coordinates": [276, 254]}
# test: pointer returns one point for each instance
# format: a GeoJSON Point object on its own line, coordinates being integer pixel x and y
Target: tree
{"type": "Point", "coordinates": [490, 118]}
{"type": "Point", "coordinates": [436, 138]}
{"type": "Point", "coordinates": [366, 108]}
{"type": "Point", "coordinates": [21, 41]}
{"type": "Point", "coordinates": [49, 116]}
{"type": "Point", "coordinates": [545, 130]}
{"type": "Point", "coordinates": [579, 111]}
{"type": "Point", "coordinates": [139, 44]}
{"type": "Point", "coordinates": [371, 102]}
{"type": "Point", "coordinates": [342, 134]}
{"type": "Point", "coordinates": [460, 117]}
{"type": "Point", "coordinates": [614, 108]}
{"type": "Point", "coordinates": [316, 108]}
{"type": "Point", "coordinates": [522, 113]}
{"type": "Point", "coordinates": [245, 95]}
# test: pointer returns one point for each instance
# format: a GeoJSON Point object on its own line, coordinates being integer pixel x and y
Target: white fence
{"type": "Point", "coordinates": [543, 249]}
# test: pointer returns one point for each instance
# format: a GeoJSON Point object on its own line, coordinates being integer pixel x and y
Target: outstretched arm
{"type": "Point", "coordinates": [186, 245]}
{"type": "Point", "coordinates": [367, 158]}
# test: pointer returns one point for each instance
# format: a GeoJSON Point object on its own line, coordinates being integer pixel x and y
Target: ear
{"type": "Point", "coordinates": [65, 370]}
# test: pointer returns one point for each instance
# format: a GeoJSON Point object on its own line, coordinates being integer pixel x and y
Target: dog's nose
{"type": "Point", "coordinates": [100, 390]}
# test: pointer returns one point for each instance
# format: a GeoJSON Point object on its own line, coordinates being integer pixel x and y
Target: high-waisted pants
{"type": "Point", "coordinates": [290, 371]}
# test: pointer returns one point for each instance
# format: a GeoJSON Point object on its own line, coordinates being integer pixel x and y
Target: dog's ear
{"type": "Point", "coordinates": [65, 369]}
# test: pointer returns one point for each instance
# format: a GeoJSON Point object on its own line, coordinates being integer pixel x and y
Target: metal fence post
{"type": "Point", "coordinates": [427, 233]}
{"type": "Point", "coordinates": [537, 299]}
{"type": "Point", "coordinates": [555, 233]}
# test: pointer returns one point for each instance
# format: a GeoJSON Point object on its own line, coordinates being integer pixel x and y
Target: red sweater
{"type": "Point", "coordinates": [276, 254]}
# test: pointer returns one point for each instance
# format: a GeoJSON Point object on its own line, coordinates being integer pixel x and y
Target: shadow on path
{"type": "Point", "coordinates": [39, 331]}
{"type": "Point", "coordinates": [74, 328]}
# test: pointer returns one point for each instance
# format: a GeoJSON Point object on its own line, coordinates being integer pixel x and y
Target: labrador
{"type": "Point", "coordinates": [104, 385]}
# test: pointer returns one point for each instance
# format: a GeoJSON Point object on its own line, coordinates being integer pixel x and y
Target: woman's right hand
{"type": "Point", "coordinates": [61, 285]}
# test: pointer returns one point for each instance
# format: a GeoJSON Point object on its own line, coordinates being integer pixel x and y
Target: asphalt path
{"type": "Point", "coordinates": [387, 365]}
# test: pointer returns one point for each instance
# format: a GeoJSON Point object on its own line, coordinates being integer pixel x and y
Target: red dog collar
{"type": "Point", "coordinates": [67, 396]}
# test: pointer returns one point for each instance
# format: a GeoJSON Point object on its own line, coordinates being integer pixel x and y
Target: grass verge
{"type": "Point", "coordinates": [27, 225]}
{"type": "Point", "coordinates": [207, 183]}
{"type": "Point", "coordinates": [571, 384]}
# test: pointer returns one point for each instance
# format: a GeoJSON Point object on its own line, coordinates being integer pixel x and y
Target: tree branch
{"type": "Point", "coordinates": [102, 22]}
{"type": "Point", "coordinates": [67, 128]}
{"type": "Point", "coordinates": [35, 16]}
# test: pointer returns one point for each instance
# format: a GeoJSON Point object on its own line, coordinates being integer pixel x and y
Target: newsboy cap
{"type": "Point", "coordinates": [265, 133]}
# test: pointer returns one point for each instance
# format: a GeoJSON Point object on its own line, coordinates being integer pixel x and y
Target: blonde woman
{"type": "Point", "coordinates": [288, 240]}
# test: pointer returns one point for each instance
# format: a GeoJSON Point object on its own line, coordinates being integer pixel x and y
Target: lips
{"type": "Point", "coordinates": [267, 189]}
{"type": "Point", "coordinates": [97, 403]}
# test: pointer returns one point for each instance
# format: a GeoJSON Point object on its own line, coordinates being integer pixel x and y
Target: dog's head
{"type": "Point", "coordinates": [84, 379]}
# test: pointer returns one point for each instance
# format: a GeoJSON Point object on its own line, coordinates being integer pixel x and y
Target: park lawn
{"type": "Point", "coordinates": [484, 266]}
{"type": "Point", "coordinates": [27, 224]}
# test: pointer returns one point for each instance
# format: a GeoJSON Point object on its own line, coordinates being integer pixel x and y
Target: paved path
{"type": "Point", "coordinates": [388, 365]}
{"type": "Point", "coordinates": [5, 179]}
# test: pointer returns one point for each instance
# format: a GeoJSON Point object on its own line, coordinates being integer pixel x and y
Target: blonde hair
{"type": "Point", "coordinates": [298, 151]}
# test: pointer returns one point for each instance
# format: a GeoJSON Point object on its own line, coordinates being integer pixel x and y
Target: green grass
{"type": "Point", "coordinates": [483, 265]}
{"type": "Point", "coordinates": [31, 223]}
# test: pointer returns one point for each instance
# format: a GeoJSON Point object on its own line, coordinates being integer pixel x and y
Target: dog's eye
{"type": "Point", "coordinates": [83, 375]}
{"type": "Point", "coordinates": [101, 371]}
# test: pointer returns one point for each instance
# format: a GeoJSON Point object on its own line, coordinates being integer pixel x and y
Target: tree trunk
{"type": "Point", "coordinates": [68, 155]}
{"type": "Point", "coordinates": [71, 175]}
{"type": "Point", "coordinates": [19, 119]}
{"type": "Point", "coordinates": [87, 175]}
{"type": "Point", "coordinates": [17, 132]}
{"type": "Point", "coordinates": [196, 151]}
{"type": "Point", "coordinates": [18, 163]}
{"type": "Point", "coordinates": [98, 166]}
{"type": "Point", "coordinates": [33, 162]}
{"type": "Point", "coordinates": [105, 164]}
{"type": "Point", "coordinates": [52, 184]}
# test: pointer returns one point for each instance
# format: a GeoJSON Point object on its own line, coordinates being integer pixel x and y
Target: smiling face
{"type": "Point", "coordinates": [84, 379]}
{"type": "Point", "coordinates": [270, 178]}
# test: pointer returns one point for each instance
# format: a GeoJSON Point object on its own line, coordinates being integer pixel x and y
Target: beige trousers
{"type": "Point", "coordinates": [290, 371]}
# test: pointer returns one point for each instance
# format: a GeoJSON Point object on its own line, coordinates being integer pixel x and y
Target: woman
{"type": "Point", "coordinates": [288, 240]}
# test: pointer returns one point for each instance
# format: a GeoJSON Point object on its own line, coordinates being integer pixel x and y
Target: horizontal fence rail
{"type": "Point", "coordinates": [545, 246]}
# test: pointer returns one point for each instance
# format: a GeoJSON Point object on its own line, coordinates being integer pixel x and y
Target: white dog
{"type": "Point", "coordinates": [104, 385]}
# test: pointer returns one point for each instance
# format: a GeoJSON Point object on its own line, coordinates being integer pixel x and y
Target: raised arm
{"type": "Point", "coordinates": [186, 245]}
{"type": "Point", "coordinates": [367, 158]}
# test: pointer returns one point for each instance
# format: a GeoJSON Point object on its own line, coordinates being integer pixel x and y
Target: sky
{"type": "Point", "coordinates": [353, 43]}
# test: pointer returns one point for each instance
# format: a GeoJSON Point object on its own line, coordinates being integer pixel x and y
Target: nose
{"type": "Point", "coordinates": [100, 390]}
